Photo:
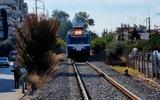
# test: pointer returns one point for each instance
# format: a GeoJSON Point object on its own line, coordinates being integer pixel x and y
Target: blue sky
{"type": "Point", "coordinates": [106, 13]}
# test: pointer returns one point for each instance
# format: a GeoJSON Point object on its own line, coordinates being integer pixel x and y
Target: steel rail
{"type": "Point", "coordinates": [81, 85]}
{"type": "Point", "coordinates": [116, 84]}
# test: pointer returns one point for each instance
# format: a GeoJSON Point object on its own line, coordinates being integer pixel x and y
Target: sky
{"type": "Point", "coordinates": [107, 14]}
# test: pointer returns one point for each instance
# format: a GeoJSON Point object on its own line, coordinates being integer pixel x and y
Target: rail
{"type": "Point", "coordinates": [116, 84]}
{"type": "Point", "coordinates": [80, 82]}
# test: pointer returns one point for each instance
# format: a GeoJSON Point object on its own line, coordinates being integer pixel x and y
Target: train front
{"type": "Point", "coordinates": [78, 43]}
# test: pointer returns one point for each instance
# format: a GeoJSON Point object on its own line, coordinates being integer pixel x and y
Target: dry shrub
{"type": "Point", "coordinates": [56, 59]}
{"type": "Point", "coordinates": [40, 80]}
{"type": "Point", "coordinates": [35, 42]}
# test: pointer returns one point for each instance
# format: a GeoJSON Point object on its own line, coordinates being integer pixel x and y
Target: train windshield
{"type": "Point", "coordinates": [78, 40]}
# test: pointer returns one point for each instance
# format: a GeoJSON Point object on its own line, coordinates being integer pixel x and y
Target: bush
{"type": "Point", "coordinates": [116, 50]}
{"type": "Point", "coordinates": [60, 46]}
{"type": "Point", "coordinates": [116, 54]}
{"type": "Point", "coordinates": [35, 42]}
{"type": "Point", "coordinates": [153, 43]}
{"type": "Point", "coordinates": [139, 44]}
{"type": "Point", "coordinates": [100, 43]}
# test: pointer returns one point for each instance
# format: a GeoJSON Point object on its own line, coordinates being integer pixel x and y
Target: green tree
{"type": "Point", "coordinates": [153, 43]}
{"type": "Point", "coordinates": [65, 23]}
{"type": "Point", "coordinates": [93, 35]}
{"type": "Point", "coordinates": [60, 15]}
{"type": "Point", "coordinates": [105, 33]}
{"type": "Point", "coordinates": [100, 43]}
{"type": "Point", "coordinates": [84, 18]}
{"type": "Point", "coordinates": [135, 34]}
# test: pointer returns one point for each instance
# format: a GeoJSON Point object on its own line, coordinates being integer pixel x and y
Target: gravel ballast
{"type": "Point", "coordinates": [97, 87]}
{"type": "Point", "coordinates": [63, 86]}
{"type": "Point", "coordinates": [138, 88]}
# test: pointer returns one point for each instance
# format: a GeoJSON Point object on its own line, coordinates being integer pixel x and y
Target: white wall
{"type": "Point", "coordinates": [144, 36]}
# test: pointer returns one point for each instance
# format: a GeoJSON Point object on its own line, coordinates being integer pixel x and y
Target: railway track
{"type": "Point", "coordinates": [84, 91]}
{"type": "Point", "coordinates": [80, 82]}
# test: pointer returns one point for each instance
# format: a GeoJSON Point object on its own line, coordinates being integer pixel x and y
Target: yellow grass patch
{"type": "Point", "coordinates": [131, 71]}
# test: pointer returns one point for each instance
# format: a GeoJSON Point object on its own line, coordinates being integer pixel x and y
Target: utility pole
{"type": "Point", "coordinates": [36, 6]}
{"type": "Point", "coordinates": [149, 25]}
{"type": "Point", "coordinates": [122, 30]}
{"type": "Point", "coordinates": [43, 7]}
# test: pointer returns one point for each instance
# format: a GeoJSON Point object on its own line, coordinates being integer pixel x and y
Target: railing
{"type": "Point", "coordinates": [146, 63]}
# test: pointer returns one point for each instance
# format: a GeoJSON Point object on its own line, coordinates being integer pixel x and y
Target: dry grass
{"type": "Point", "coordinates": [37, 80]}
{"type": "Point", "coordinates": [131, 71]}
{"type": "Point", "coordinates": [151, 83]}
{"type": "Point", "coordinates": [40, 80]}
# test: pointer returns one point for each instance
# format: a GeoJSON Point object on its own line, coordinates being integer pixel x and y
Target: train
{"type": "Point", "coordinates": [78, 42]}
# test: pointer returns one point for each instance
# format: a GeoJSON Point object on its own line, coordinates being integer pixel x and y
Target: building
{"type": "Point", "coordinates": [127, 32]}
{"type": "Point", "coordinates": [11, 11]}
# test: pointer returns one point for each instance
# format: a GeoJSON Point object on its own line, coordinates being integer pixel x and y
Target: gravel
{"type": "Point", "coordinates": [138, 88]}
{"type": "Point", "coordinates": [63, 86]}
{"type": "Point", "coordinates": [97, 87]}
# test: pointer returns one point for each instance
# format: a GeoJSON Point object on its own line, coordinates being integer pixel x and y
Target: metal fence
{"type": "Point", "coordinates": [146, 63]}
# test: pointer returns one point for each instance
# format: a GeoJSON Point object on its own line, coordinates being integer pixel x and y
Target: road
{"type": "Point", "coordinates": [7, 91]}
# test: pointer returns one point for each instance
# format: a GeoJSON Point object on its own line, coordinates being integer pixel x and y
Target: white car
{"type": "Point", "coordinates": [4, 62]}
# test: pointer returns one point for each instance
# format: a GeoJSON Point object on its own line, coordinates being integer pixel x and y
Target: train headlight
{"type": "Point", "coordinates": [78, 33]}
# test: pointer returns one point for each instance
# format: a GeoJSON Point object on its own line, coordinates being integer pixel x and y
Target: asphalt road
{"type": "Point", "coordinates": [7, 91]}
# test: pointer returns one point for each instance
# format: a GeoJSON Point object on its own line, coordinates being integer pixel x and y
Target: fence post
{"type": "Point", "coordinates": [142, 63]}
{"type": "Point", "coordinates": [153, 74]}
{"type": "Point", "coordinates": [23, 89]}
{"type": "Point", "coordinates": [157, 65]}
{"type": "Point", "coordinates": [148, 64]}
{"type": "Point", "coordinates": [145, 64]}
{"type": "Point", "coordinates": [139, 59]}
{"type": "Point", "coordinates": [154, 67]}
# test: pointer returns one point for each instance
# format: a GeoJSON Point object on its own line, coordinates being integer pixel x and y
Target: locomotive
{"type": "Point", "coordinates": [78, 42]}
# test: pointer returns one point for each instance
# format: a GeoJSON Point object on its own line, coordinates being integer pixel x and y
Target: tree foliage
{"type": "Point", "coordinates": [60, 15]}
{"type": "Point", "coordinates": [153, 43]}
{"type": "Point", "coordinates": [35, 42]}
{"type": "Point", "coordinates": [65, 23]}
{"type": "Point", "coordinates": [93, 35]}
{"type": "Point", "coordinates": [100, 43]}
{"type": "Point", "coordinates": [85, 18]}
